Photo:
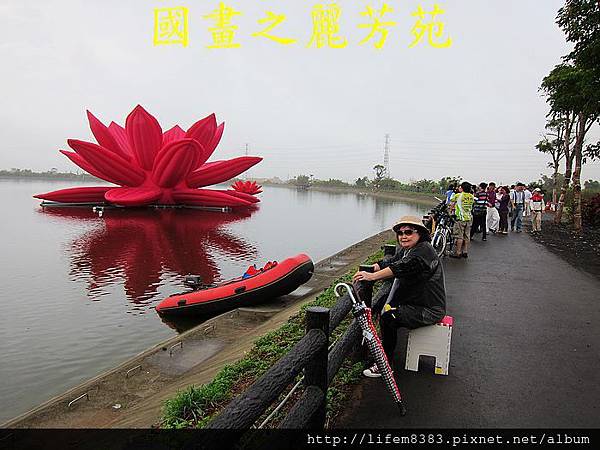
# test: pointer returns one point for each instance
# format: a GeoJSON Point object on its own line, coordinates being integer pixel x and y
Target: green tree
{"type": "Point", "coordinates": [573, 91]}
{"type": "Point", "coordinates": [379, 174]}
{"type": "Point", "coordinates": [425, 185]}
{"type": "Point", "coordinates": [389, 184]}
{"type": "Point", "coordinates": [592, 185]}
{"type": "Point", "coordinates": [448, 181]}
{"type": "Point", "coordinates": [546, 183]}
{"type": "Point", "coordinates": [361, 182]}
{"type": "Point", "coordinates": [554, 147]}
{"type": "Point", "coordinates": [303, 181]}
{"type": "Point", "coordinates": [571, 95]}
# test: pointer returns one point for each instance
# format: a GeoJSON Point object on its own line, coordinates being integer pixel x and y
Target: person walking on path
{"type": "Point", "coordinates": [504, 201]}
{"type": "Point", "coordinates": [450, 193]}
{"type": "Point", "coordinates": [517, 200]}
{"type": "Point", "coordinates": [461, 205]}
{"type": "Point", "coordinates": [537, 209]}
{"type": "Point", "coordinates": [511, 211]}
{"type": "Point", "coordinates": [492, 216]}
{"type": "Point", "coordinates": [527, 211]}
{"type": "Point", "coordinates": [480, 212]}
{"type": "Point", "coordinates": [418, 295]}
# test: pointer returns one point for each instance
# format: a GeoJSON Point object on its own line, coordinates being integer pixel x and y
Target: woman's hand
{"type": "Point", "coordinates": [363, 276]}
{"type": "Point", "coordinates": [376, 267]}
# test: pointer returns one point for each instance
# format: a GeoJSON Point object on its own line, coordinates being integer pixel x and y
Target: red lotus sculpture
{"type": "Point", "coordinates": [152, 167]}
{"type": "Point", "coordinates": [247, 187]}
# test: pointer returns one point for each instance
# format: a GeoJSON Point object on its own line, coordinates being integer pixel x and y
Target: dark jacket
{"type": "Point", "coordinates": [504, 201]}
{"type": "Point", "coordinates": [420, 278]}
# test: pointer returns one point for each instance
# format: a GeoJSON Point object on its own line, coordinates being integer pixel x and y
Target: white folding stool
{"type": "Point", "coordinates": [432, 340]}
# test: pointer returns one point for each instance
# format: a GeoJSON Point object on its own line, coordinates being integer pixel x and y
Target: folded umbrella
{"type": "Point", "coordinates": [363, 315]}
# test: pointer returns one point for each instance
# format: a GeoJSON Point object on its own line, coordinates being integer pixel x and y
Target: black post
{"type": "Point", "coordinates": [389, 250]}
{"type": "Point", "coordinates": [315, 373]}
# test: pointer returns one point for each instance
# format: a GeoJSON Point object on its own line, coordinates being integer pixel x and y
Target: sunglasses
{"type": "Point", "coordinates": [405, 232]}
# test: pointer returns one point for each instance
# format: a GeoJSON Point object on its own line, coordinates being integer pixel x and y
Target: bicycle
{"type": "Point", "coordinates": [441, 223]}
{"type": "Point", "coordinates": [442, 239]}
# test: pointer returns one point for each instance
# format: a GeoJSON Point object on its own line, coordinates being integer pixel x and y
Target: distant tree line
{"type": "Point", "coordinates": [378, 183]}
{"type": "Point", "coordinates": [49, 174]}
{"type": "Point", "coordinates": [545, 183]}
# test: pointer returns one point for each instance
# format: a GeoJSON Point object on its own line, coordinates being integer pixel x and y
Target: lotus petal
{"type": "Point", "coordinates": [216, 139]}
{"type": "Point", "coordinates": [203, 130]}
{"type": "Point", "coordinates": [174, 134]}
{"type": "Point", "coordinates": [120, 135]}
{"type": "Point", "coordinates": [206, 197]}
{"type": "Point", "coordinates": [248, 197]}
{"type": "Point", "coordinates": [86, 194]}
{"type": "Point", "coordinates": [145, 136]}
{"type": "Point", "coordinates": [175, 161]}
{"type": "Point", "coordinates": [121, 171]}
{"type": "Point", "coordinates": [81, 162]}
{"type": "Point", "coordinates": [133, 196]}
{"type": "Point", "coordinates": [221, 171]}
{"type": "Point", "coordinates": [105, 137]}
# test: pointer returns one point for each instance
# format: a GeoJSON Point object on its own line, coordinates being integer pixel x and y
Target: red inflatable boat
{"type": "Point", "coordinates": [255, 286]}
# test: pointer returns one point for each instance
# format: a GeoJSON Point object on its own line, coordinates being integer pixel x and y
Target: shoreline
{"type": "Point", "coordinates": [131, 394]}
{"type": "Point", "coordinates": [405, 196]}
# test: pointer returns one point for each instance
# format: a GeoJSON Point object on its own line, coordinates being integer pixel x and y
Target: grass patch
{"type": "Point", "coordinates": [195, 406]}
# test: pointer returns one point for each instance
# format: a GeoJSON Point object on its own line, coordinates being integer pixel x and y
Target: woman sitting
{"type": "Point", "coordinates": [417, 297]}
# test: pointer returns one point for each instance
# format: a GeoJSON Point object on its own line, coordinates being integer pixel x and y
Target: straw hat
{"type": "Point", "coordinates": [409, 220]}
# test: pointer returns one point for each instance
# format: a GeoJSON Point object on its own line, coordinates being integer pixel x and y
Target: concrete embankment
{"type": "Point", "coordinates": [131, 395]}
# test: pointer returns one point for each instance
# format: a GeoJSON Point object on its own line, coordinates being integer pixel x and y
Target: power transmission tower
{"type": "Point", "coordinates": [386, 156]}
{"type": "Point", "coordinates": [248, 171]}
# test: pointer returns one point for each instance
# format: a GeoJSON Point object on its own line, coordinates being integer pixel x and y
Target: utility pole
{"type": "Point", "coordinates": [386, 156]}
{"type": "Point", "coordinates": [246, 152]}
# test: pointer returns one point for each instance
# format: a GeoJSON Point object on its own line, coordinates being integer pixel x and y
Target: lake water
{"type": "Point", "coordinates": [78, 290]}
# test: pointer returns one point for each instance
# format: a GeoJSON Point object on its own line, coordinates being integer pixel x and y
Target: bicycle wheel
{"type": "Point", "coordinates": [439, 241]}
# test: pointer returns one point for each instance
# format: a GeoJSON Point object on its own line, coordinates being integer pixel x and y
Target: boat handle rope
{"type": "Point", "coordinates": [180, 344]}
{"type": "Point", "coordinates": [131, 370]}
{"type": "Point", "coordinates": [209, 329]}
{"type": "Point", "coordinates": [86, 395]}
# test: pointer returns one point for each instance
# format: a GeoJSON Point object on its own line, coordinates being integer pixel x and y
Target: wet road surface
{"type": "Point", "coordinates": [525, 348]}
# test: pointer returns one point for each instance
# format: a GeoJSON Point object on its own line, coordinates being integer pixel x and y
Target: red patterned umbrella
{"type": "Point", "coordinates": [363, 315]}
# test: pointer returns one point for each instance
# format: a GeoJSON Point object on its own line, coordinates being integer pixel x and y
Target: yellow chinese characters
{"type": "Point", "coordinates": [421, 28]}
{"type": "Point", "coordinates": [274, 20]}
{"type": "Point", "coordinates": [171, 26]}
{"type": "Point", "coordinates": [377, 25]}
{"type": "Point", "coordinates": [223, 33]}
{"type": "Point", "coordinates": [326, 26]}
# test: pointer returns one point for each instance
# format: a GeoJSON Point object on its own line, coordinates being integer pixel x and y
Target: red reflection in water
{"type": "Point", "coordinates": [139, 246]}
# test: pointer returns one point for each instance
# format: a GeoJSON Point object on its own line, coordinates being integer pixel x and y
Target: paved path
{"type": "Point", "coordinates": [525, 348]}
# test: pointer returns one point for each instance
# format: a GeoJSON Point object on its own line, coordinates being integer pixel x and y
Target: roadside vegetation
{"type": "Point", "coordinates": [197, 405]}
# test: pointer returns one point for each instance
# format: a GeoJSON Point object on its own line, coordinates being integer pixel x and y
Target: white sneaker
{"type": "Point", "coordinates": [372, 372]}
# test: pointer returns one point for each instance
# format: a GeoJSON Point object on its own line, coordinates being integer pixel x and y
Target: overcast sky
{"type": "Point", "coordinates": [472, 109]}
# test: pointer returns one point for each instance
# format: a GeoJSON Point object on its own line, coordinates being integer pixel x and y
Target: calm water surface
{"type": "Point", "coordinates": [78, 290]}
